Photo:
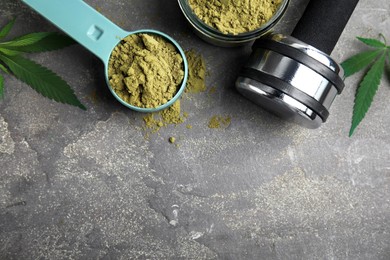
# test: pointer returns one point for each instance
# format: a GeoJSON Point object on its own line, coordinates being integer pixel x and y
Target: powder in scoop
{"type": "Point", "coordinates": [235, 16]}
{"type": "Point", "coordinates": [145, 70]}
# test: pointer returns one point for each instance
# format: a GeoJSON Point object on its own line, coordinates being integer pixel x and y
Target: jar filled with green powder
{"type": "Point", "coordinates": [230, 23]}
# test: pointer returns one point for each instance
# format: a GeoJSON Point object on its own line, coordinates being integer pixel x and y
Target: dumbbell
{"type": "Point", "coordinates": [294, 76]}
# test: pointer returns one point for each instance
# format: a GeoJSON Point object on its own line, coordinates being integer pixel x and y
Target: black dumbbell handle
{"type": "Point", "coordinates": [323, 22]}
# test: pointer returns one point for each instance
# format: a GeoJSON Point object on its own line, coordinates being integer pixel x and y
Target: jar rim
{"type": "Point", "coordinates": [214, 33]}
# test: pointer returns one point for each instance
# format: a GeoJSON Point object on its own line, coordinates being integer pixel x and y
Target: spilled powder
{"type": "Point", "coordinates": [145, 70]}
{"type": "Point", "coordinates": [171, 115]}
{"type": "Point", "coordinates": [212, 90]}
{"type": "Point", "coordinates": [219, 122]}
{"type": "Point", "coordinates": [197, 72]}
{"type": "Point", "coordinates": [235, 17]}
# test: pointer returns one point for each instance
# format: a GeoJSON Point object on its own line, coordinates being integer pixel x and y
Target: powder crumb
{"type": "Point", "coordinates": [235, 17]}
{"type": "Point", "coordinates": [189, 126]}
{"type": "Point", "coordinates": [172, 140]}
{"type": "Point", "coordinates": [219, 122]}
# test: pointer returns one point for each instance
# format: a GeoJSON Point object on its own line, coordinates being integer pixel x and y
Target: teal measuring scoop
{"type": "Point", "coordinates": [99, 35]}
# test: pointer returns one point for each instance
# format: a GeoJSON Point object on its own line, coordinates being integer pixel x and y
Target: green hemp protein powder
{"type": "Point", "coordinates": [234, 16]}
{"type": "Point", "coordinates": [145, 70]}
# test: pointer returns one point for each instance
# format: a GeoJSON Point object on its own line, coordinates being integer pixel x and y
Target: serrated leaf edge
{"type": "Point", "coordinates": [9, 52]}
{"type": "Point", "coordinates": [7, 28]}
{"type": "Point", "coordinates": [55, 97]}
{"type": "Point", "coordinates": [25, 40]}
{"type": "Point", "coordinates": [372, 42]}
{"type": "Point", "coordinates": [376, 71]}
{"type": "Point", "coordinates": [41, 45]}
{"type": "Point", "coordinates": [349, 72]}
{"type": "Point", "coordinates": [3, 68]}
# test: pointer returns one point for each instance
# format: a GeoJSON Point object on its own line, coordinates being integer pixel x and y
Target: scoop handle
{"type": "Point", "coordinates": [83, 23]}
{"type": "Point", "coordinates": [323, 22]}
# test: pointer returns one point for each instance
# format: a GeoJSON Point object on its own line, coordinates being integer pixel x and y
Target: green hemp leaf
{"type": "Point", "coordinates": [40, 78]}
{"type": "Point", "coordinates": [374, 61]}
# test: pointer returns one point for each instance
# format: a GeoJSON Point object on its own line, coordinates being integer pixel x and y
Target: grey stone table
{"type": "Point", "coordinates": [88, 185]}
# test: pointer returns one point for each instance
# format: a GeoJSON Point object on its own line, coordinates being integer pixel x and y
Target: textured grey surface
{"type": "Point", "coordinates": [89, 185]}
